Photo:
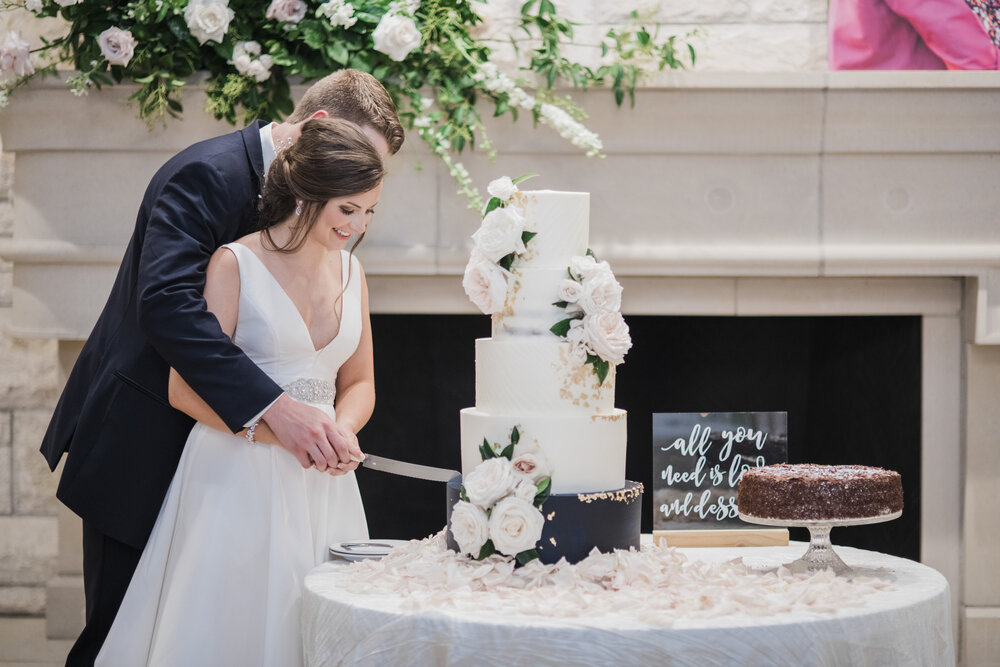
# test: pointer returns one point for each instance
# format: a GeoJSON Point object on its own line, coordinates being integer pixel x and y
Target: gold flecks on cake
{"type": "Point", "coordinates": [579, 383]}
{"type": "Point", "coordinates": [550, 516]}
{"type": "Point", "coordinates": [613, 417]}
{"type": "Point", "coordinates": [626, 495]}
{"type": "Point", "coordinates": [553, 541]}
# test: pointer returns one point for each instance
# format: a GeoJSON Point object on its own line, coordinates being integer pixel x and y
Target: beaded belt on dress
{"type": "Point", "coordinates": [311, 390]}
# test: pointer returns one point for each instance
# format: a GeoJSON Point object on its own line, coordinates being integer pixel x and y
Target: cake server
{"type": "Point", "coordinates": [416, 470]}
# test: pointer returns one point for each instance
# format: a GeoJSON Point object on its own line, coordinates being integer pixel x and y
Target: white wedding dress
{"type": "Point", "coordinates": [219, 581]}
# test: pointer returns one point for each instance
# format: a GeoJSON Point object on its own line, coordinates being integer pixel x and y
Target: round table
{"type": "Point", "coordinates": [907, 625]}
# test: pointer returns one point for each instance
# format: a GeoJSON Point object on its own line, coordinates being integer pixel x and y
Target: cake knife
{"type": "Point", "coordinates": [416, 470]}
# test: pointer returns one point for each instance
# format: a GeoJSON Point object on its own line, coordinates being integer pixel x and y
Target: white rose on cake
{"type": "Point", "coordinates": [606, 334]}
{"type": "Point", "coordinates": [502, 188]}
{"type": "Point", "coordinates": [529, 461]}
{"type": "Point", "coordinates": [570, 290]}
{"type": "Point", "coordinates": [485, 283]}
{"type": "Point", "coordinates": [525, 489]}
{"type": "Point", "coordinates": [600, 292]}
{"type": "Point", "coordinates": [470, 527]}
{"type": "Point", "coordinates": [585, 266]}
{"type": "Point", "coordinates": [489, 481]}
{"type": "Point", "coordinates": [515, 526]}
{"type": "Point", "coordinates": [500, 233]}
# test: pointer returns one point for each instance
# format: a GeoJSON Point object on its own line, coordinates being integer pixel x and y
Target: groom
{"type": "Point", "coordinates": [122, 439]}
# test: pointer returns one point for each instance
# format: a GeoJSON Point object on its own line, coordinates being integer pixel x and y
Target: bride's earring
{"type": "Point", "coordinates": [298, 207]}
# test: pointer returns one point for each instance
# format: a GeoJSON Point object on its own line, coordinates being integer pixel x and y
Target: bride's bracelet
{"type": "Point", "coordinates": [249, 435]}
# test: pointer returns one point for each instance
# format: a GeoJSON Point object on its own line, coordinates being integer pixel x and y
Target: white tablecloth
{"type": "Point", "coordinates": [906, 625]}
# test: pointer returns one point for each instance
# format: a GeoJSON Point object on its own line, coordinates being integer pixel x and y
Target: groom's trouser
{"type": "Point", "coordinates": [107, 569]}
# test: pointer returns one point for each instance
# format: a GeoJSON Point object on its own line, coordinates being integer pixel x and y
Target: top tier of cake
{"type": "Point", "coordinates": [562, 222]}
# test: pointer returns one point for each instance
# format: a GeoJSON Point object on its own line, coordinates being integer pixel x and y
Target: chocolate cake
{"type": "Point", "coordinates": [816, 492]}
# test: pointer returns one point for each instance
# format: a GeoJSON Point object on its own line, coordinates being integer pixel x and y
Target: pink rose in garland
{"type": "Point", "coordinates": [287, 11]}
{"type": "Point", "coordinates": [117, 46]}
{"type": "Point", "coordinates": [15, 58]}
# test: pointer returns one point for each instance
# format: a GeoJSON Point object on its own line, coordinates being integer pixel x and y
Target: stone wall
{"type": "Point", "coordinates": [28, 379]}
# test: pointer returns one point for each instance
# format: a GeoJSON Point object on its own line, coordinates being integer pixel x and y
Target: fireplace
{"type": "Point", "coordinates": [851, 386]}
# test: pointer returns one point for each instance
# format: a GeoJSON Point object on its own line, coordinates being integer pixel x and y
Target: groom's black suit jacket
{"type": "Point", "coordinates": [122, 437]}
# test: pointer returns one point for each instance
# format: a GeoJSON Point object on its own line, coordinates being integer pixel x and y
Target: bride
{"type": "Point", "coordinates": [219, 580]}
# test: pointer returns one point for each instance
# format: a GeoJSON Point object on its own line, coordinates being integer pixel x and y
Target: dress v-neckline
{"type": "Point", "coordinates": [291, 302]}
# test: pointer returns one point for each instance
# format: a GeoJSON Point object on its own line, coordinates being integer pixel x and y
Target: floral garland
{"type": "Point", "coordinates": [595, 326]}
{"type": "Point", "coordinates": [501, 500]}
{"type": "Point", "coordinates": [426, 52]}
{"type": "Point", "coordinates": [498, 242]}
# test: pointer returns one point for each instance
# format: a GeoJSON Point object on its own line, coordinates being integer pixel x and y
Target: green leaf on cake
{"type": "Point", "coordinates": [486, 451]}
{"type": "Point", "coordinates": [515, 436]}
{"type": "Point", "coordinates": [487, 550]}
{"type": "Point", "coordinates": [508, 452]}
{"type": "Point", "coordinates": [601, 367]}
{"type": "Point", "coordinates": [591, 253]}
{"type": "Point", "coordinates": [527, 236]}
{"type": "Point", "coordinates": [492, 204]}
{"type": "Point", "coordinates": [561, 328]}
{"type": "Point", "coordinates": [525, 556]}
{"type": "Point", "coordinates": [560, 304]}
{"type": "Point", "coordinates": [463, 495]}
{"type": "Point", "coordinates": [522, 178]}
{"type": "Point", "coordinates": [544, 491]}
{"type": "Point", "coordinates": [507, 261]}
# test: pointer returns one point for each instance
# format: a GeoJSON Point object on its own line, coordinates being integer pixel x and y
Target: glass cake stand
{"type": "Point", "coordinates": [820, 554]}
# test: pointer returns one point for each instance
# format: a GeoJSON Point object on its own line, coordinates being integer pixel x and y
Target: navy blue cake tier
{"type": "Point", "coordinates": [575, 523]}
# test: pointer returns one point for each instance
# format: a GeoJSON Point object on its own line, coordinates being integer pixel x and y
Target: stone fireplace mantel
{"type": "Point", "coordinates": [846, 174]}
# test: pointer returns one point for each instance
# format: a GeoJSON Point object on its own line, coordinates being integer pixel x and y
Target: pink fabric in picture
{"type": "Point", "coordinates": [908, 34]}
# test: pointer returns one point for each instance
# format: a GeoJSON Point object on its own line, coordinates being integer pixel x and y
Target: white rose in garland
{"type": "Point", "coordinates": [500, 233]}
{"type": "Point", "coordinates": [607, 335]}
{"type": "Point", "coordinates": [489, 481]}
{"type": "Point", "coordinates": [396, 36]}
{"type": "Point", "coordinates": [515, 526]}
{"type": "Point", "coordinates": [208, 20]}
{"type": "Point", "coordinates": [470, 527]}
{"type": "Point", "coordinates": [485, 283]}
{"type": "Point", "coordinates": [117, 46]}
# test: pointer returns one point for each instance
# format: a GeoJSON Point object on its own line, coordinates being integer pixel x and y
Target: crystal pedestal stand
{"type": "Point", "coordinates": [820, 554]}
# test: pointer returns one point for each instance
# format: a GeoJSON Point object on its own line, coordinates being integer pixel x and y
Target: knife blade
{"type": "Point", "coordinates": [394, 467]}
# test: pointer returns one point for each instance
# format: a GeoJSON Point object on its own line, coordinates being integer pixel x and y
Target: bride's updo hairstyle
{"type": "Point", "coordinates": [331, 158]}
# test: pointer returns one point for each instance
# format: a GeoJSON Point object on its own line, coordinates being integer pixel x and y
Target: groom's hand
{"type": "Point", "coordinates": [302, 430]}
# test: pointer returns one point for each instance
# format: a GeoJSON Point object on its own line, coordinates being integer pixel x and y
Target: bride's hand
{"type": "Point", "coordinates": [303, 431]}
{"type": "Point", "coordinates": [345, 444]}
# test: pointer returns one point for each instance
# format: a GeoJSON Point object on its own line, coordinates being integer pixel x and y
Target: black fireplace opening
{"type": "Point", "coordinates": [851, 386]}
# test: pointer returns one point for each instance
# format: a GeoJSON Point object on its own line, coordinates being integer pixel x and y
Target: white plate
{"type": "Point", "coordinates": [362, 549]}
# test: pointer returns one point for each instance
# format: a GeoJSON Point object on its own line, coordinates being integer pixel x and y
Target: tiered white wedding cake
{"type": "Point", "coordinates": [544, 429]}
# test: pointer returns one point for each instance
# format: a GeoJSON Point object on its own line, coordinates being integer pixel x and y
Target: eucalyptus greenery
{"type": "Point", "coordinates": [442, 86]}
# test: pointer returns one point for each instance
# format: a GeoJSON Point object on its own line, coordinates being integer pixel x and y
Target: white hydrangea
{"type": "Point", "coordinates": [248, 61]}
{"type": "Point", "coordinates": [339, 12]}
